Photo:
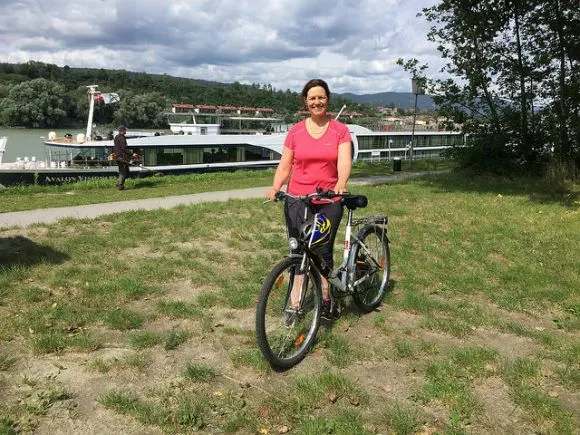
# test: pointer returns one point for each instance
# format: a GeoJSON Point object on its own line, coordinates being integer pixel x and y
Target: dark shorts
{"type": "Point", "coordinates": [295, 217]}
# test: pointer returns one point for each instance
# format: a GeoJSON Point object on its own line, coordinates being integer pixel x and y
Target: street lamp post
{"type": "Point", "coordinates": [417, 87]}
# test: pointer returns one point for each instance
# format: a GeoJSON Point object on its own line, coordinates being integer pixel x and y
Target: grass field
{"type": "Point", "coordinates": [143, 322]}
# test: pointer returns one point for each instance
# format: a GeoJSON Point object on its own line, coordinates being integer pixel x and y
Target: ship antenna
{"type": "Point", "coordinates": [341, 109]}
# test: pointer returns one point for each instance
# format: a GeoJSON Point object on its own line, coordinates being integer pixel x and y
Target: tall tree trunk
{"type": "Point", "coordinates": [525, 142]}
{"type": "Point", "coordinates": [565, 146]}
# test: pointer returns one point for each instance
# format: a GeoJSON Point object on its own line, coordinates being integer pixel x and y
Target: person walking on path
{"type": "Point", "coordinates": [317, 155]}
{"type": "Point", "coordinates": [122, 155]}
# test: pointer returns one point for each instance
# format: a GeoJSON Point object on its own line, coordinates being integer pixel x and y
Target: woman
{"type": "Point", "coordinates": [317, 152]}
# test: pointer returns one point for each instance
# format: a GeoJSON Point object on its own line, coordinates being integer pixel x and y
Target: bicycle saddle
{"type": "Point", "coordinates": [352, 202]}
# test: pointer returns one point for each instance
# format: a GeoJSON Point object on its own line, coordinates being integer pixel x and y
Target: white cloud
{"type": "Point", "coordinates": [353, 44]}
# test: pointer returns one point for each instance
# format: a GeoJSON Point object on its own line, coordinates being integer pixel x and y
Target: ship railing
{"type": "Point", "coordinates": [71, 158]}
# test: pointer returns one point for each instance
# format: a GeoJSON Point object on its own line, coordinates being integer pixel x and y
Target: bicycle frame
{"type": "Point", "coordinates": [342, 277]}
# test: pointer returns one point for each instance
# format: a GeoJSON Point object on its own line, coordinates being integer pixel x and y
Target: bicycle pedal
{"type": "Point", "coordinates": [290, 317]}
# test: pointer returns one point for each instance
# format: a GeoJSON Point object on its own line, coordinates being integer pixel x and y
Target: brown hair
{"type": "Point", "coordinates": [312, 84]}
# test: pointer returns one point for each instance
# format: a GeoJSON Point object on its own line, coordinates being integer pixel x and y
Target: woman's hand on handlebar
{"type": "Point", "coordinates": [271, 194]}
{"type": "Point", "coordinates": [340, 188]}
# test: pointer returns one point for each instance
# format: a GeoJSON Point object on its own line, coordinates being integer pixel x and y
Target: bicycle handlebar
{"type": "Point", "coordinates": [319, 194]}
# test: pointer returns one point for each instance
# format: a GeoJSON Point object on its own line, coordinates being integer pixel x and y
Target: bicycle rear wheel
{"type": "Point", "coordinates": [372, 267]}
{"type": "Point", "coordinates": [284, 334]}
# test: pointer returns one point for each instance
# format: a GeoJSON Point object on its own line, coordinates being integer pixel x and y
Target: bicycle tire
{"type": "Point", "coordinates": [369, 294]}
{"type": "Point", "coordinates": [285, 345]}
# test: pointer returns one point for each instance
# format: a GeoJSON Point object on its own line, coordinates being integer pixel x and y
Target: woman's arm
{"type": "Point", "coordinates": [282, 172]}
{"type": "Point", "coordinates": [344, 165]}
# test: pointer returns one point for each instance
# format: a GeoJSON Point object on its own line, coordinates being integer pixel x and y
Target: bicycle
{"type": "Point", "coordinates": [287, 319]}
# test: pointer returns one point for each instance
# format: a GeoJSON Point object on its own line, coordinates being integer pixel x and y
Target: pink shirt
{"type": "Point", "coordinates": [315, 160]}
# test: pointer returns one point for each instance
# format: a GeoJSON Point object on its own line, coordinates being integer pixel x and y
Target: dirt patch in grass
{"type": "Point", "coordinates": [499, 414]}
{"type": "Point", "coordinates": [185, 290]}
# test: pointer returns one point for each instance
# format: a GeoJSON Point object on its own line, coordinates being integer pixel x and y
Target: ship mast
{"type": "Point", "coordinates": [92, 91]}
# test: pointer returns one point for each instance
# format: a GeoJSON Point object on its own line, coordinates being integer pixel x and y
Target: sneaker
{"type": "Point", "coordinates": [329, 312]}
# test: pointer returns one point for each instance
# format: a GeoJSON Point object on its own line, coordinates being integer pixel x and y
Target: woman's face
{"type": "Point", "coordinates": [317, 101]}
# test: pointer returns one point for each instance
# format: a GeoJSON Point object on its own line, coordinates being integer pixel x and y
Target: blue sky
{"type": "Point", "coordinates": [353, 44]}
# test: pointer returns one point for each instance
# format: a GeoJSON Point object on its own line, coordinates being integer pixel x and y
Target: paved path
{"type": "Point", "coordinates": [51, 215]}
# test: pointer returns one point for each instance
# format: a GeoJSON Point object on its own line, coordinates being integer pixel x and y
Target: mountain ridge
{"type": "Point", "coordinates": [402, 100]}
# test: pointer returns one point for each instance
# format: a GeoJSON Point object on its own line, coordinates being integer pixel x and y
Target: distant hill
{"type": "Point", "coordinates": [403, 100]}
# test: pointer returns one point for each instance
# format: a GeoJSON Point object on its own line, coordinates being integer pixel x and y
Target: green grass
{"type": "Point", "coordinates": [484, 306]}
{"type": "Point", "coordinates": [122, 319]}
{"type": "Point", "coordinates": [199, 372]}
{"type": "Point", "coordinates": [447, 383]}
{"type": "Point", "coordinates": [249, 358]}
{"type": "Point", "coordinates": [179, 309]}
{"type": "Point", "coordinates": [338, 350]}
{"type": "Point", "coordinates": [522, 376]}
{"type": "Point", "coordinates": [7, 426]}
{"type": "Point", "coordinates": [57, 341]}
{"type": "Point", "coordinates": [176, 338]}
{"type": "Point", "coordinates": [403, 349]}
{"type": "Point", "coordinates": [345, 422]}
{"type": "Point", "coordinates": [402, 419]}
{"type": "Point", "coordinates": [144, 339]}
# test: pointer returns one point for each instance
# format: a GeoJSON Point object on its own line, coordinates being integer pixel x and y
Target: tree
{"type": "Point", "coordinates": [142, 110]}
{"type": "Point", "coordinates": [35, 103]}
{"type": "Point", "coordinates": [515, 82]}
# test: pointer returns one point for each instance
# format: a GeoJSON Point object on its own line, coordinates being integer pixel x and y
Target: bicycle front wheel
{"type": "Point", "coordinates": [372, 267]}
{"type": "Point", "coordinates": [288, 313]}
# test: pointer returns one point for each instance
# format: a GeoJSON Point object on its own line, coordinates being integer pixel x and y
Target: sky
{"type": "Point", "coordinates": [352, 44]}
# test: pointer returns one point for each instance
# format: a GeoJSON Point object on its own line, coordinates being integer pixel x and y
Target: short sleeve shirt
{"type": "Point", "coordinates": [315, 161]}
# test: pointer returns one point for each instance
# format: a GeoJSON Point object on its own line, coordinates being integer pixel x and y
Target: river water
{"type": "Point", "coordinates": [27, 142]}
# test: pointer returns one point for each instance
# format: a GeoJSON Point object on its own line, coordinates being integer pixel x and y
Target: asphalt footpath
{"type": "Point", "coordinates": [51, 215]}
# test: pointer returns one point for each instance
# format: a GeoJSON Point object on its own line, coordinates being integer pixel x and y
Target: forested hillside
{"type": "Point", "coordinates": [35, 94]}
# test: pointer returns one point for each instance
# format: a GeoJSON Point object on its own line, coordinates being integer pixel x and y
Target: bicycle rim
{"type": "Point", "coordinates": [372, 265]}
{"type": "Point", "coordinates": [285, 334]}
